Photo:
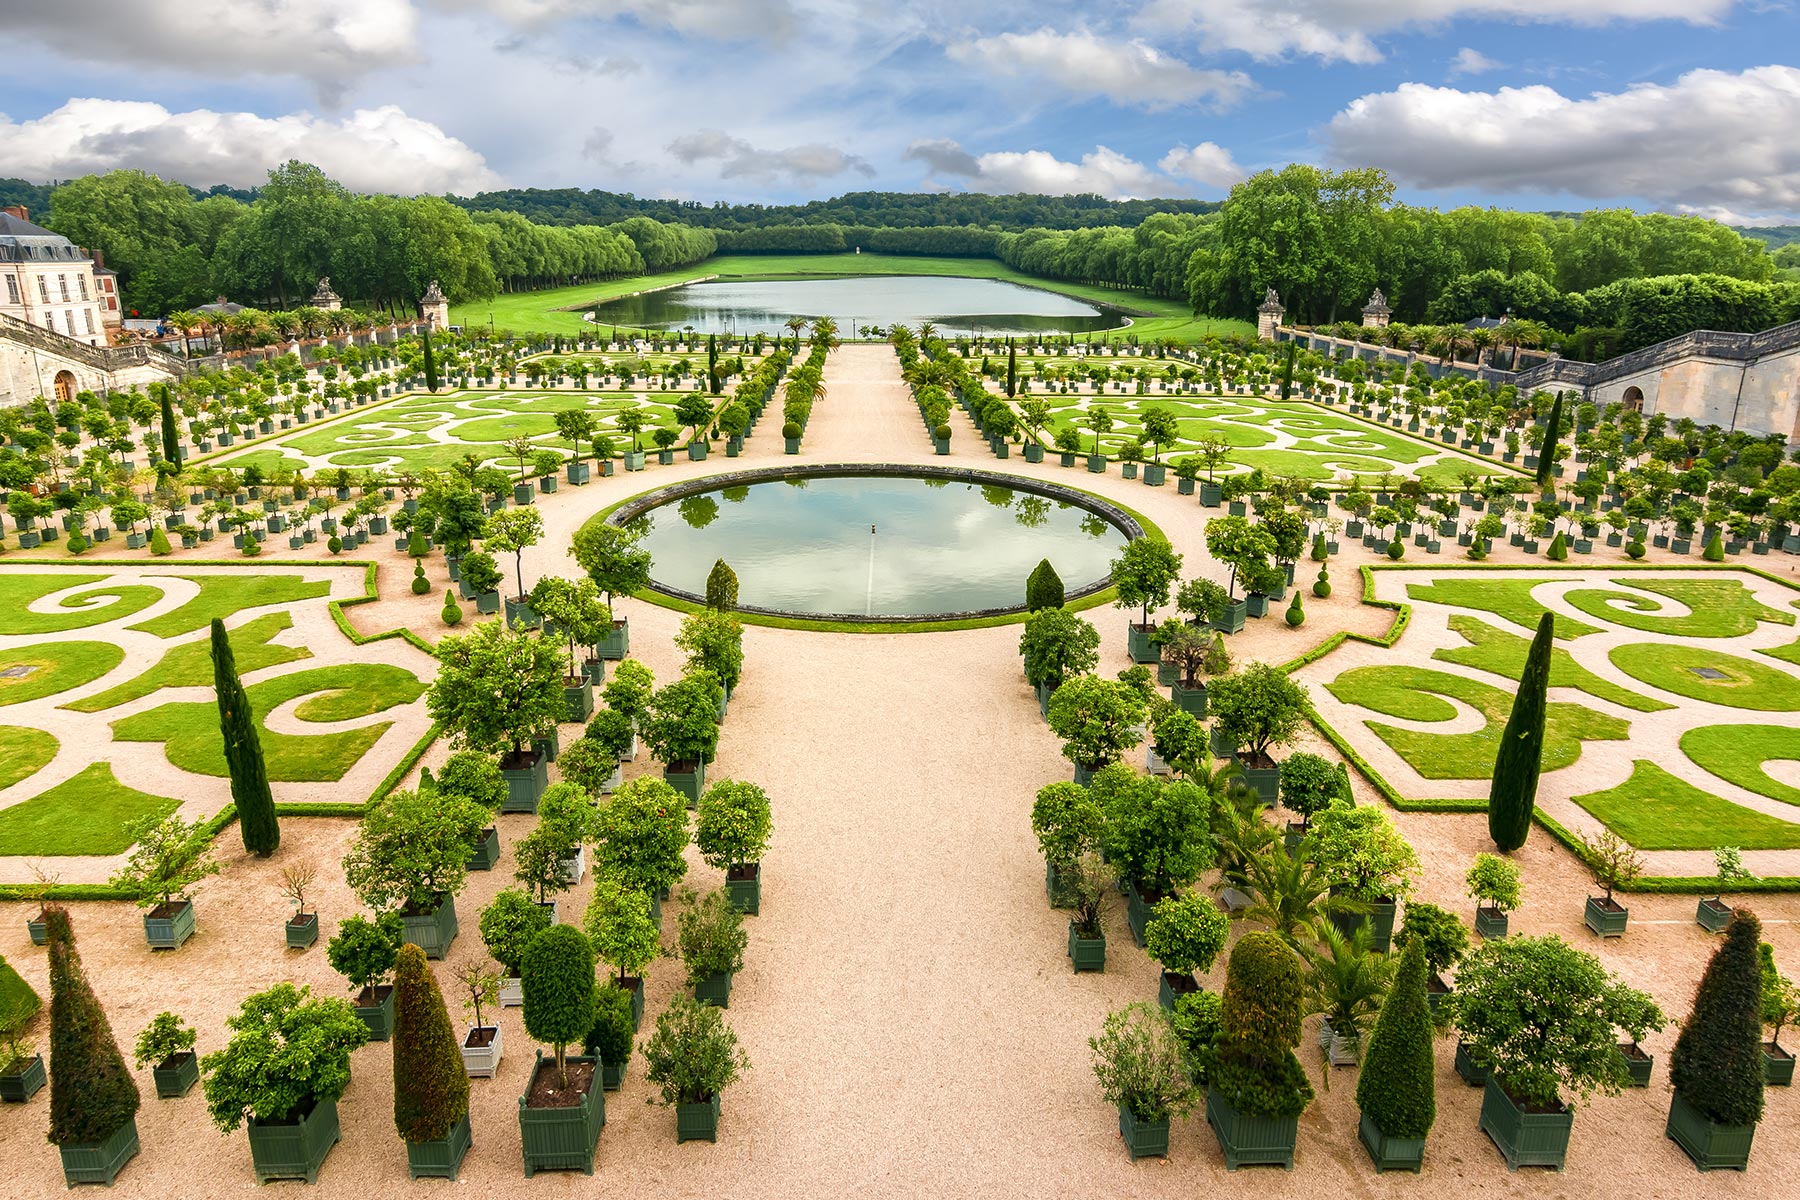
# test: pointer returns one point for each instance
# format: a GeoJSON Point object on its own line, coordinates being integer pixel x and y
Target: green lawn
{"type": "Point", "coordinates": [1510, 599]}
{"type": "Point", "coordinates": [18, 1002]}
{"type": "Point", "coordinates": [190, 731]}
{"type": "Point", "coordinates": [1736, 753]}
{"type": "Point", "coordinates": [223, 595]}
{"type": "Point", "coordinates": [543, 310]}
{"type": "Point", "coordinates": [1491, 649]}
{"type": "Point", "coordinates": [1718, 608]}
{"type": "Point", "coordinates": [58, 667]}
{"type": "Point", "coordinates": [190, 664]}
{"type": "Point", "coordinates": [1654, 810]}
{"type": "Point", "coordinates": [19, 591]}
{"type": "Point", "coordinates": [87, 814]}
{"type": "Point", "coordinates": [23, 752]}
{"type": "Point", "coordinates": [1416, 693]}
{"type": "Point", "coordinates": [1673, 668]}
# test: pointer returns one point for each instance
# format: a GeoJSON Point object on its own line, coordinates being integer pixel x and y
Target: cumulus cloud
{"type": "Point", "coordinates": [942, 156]}
{"type": "Point", "coordinates": [1712, 140]}
{"type": "Point", "coordinates": [705, 18]}
{"type": "Point", "coordinates": [738, 159]}
{"type": "Point", "coordinates": [1470, 61]}
{"type": "Point", "coordinates": [328, 41]}
{"type": "Point", "coordinates": [1345, 30]}
{"type": "Point", "coordinates": [370, 150]}
{"type": "Point", "coordinates": [1083, 64]}
{"type": "Point", "coordinates": [1104, 172]}
{"type": "Point", "coordinates": [1208, 163]}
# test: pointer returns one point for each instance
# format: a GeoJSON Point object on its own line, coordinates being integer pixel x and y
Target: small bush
{"type": "Point", "coordinates": [92, 1094]}
{"type": "Point", "coordinates": [558, 986]}
{"type": "Point", "coordinates": [421, 586]}
{"type": "Point", "coordinates": [693, 1055]}
{"type": "Point", "coordinates": [610, 1038]}
{"type": "Point", "coordinates": [1142, 1064]}
{"type": "Point", "coordinates": [711, 938]}
{"type": "Point", "coordinates": [791, 430]}
{"type": "Point", "coordinates": [431, 1089]}
{"type": "Point", "coordinates": [1296, 616]}
{"type": "Point", "coordinates": [941, 433]}
{"type": "Point", "coordinates": [451, 613]}
{"type": "Point", "coordinates": [1322, 585]}
{"type": "Point", "coordinates": [159, 542]}
{"type": "Point", "coordinates": [1043, 587]}
{"type": "Point", "coordinates": [166, 1036]}
{"type": "Point", "coordinates": [1715, 549]}
{"type": "Point", "coordinates": [335, 545]}
{"type": "Point", "coordinates": [1634, 550]}
{"type": "Point", "coordinates": [1396, 550]}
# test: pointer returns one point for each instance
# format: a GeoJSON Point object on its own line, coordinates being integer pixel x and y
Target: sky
{"type": "Point", "coordinates": [1673, 105]}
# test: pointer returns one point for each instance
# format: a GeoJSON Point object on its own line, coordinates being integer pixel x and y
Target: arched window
{"type": "Point", "coordinates": [1633, 399]}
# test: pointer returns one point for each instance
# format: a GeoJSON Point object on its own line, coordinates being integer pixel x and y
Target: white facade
{"type": "Point", "coordinates": [48, 281]}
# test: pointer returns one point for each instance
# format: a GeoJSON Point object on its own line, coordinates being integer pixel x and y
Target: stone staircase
{"type": "Point", "coordinates": [103, 358]}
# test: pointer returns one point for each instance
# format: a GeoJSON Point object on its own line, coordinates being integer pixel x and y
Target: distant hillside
{"type": "Point", "coordinates": [1774, 236]}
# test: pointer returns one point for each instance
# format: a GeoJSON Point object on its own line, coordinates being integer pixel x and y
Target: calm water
{"type": "Point", "coordinates": [937, 546]}
{"type": "Point", "coordinates": [954, 304]}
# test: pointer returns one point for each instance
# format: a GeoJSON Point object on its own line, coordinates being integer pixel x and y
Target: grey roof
{"type": "Point", "coordinates": [1484, 323]}
{"type": "Point", "coordinates": [23, 239]}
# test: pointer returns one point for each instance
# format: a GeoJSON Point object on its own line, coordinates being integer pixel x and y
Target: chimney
{"type": "Point", "coordinates": [99, 259]}
{"type": "Point", "coordinates": [17, 210]}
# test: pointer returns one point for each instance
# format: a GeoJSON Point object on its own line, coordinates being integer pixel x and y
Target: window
{"type": "Point", "coordinates": [62, 281]}
{"type": "Point", "coordinates": [12, 289]}
{"type": "Point", "coordinates": [81, 282]}
{"type": "Point", "coordinates": [87, 314]}
{"type": "Point", "coordinates": [44, 288]}
{"type": "Point", "coordinates": [69, 320]}
{"type": "Point", "coordinates": [50, 321]}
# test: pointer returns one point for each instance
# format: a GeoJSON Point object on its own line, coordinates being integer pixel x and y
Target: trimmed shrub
{"type": "Point", "coordinates": [1715, 549]}
{"type": "Point", "coordinates": [1635, 550]}
{"type": "Point", "coordinates": [451, 613]}
{"type": "Point", "coordinates": [431, 1089]}
{"type": "Point", "coordinates": [558, 986]}
{"type": "Point", "coordinates": [1141, 1063]}
{"type": "Point", "coordinates": [159, 542]}
{"type": "Point", "coordinates": [1396, 550]}
{"type": "Point", "coordinates": [722, 587]}
{"type": "Point", "coordinates": [1322, 585]}
{"type": "Point", "coordinates": [1513, 794]}
{"type": "Point", "coordinates": [1397, 1088]}
{"type": "Point", "coordinates": [1717, 1064]}
{"type": "Point", "coordinates": [711, 937]}
{"type": "Point", "coordinates": [1043, 587]}
{"type": "Point", "coordinates": [243, 752]}
{"type": "Point", "coordinates": [1559, 548]}
{"type": "Point", "coordinates": [421, 586]}
{"type": "Point", "coordinates": [1444, 938]}
{"type": "Point", "coordinates": [335, 544]}
{"type": "Point", "coordinates": [609, 1040]}
{"type": "Point", "coordinates": [1253, 1065]}
{"type": "Point", "coordinates": [693, 1055]}
{"type": "Point", "coordinates": [1296, 616]}
{"type": "Point", "coordinates": [92, 1093]}
{"type": "Point", "coordinates": [790, 430]}
{"type": "Point", "coordinates": [509, 924]}
{"type": "Point", "coordinates": [1186, 933]}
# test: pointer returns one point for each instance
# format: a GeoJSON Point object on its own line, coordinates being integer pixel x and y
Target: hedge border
{"type": "Point", "coordinates": [1649, 884]}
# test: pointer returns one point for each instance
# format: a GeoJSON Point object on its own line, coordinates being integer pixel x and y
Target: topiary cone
{"type": "Point", "coordinates": [431, 1089]}
{"type": "Point", "coordinates": [1296, 616]}
{"type": "Point", "coordinates": [1715, 549]}
{"type": "Point", "coordinates": [250, 793]}
{"type": "Point", "coordinates": [1513, 793]}
{"type": "Point", "coordinates": [1322, 585]}
{"type": "Point", "coordinates": [92, 1093]}
{"type": "Point", "coordinates": [1717, 1064]}
{"type": "Point", "coordinates": [1559, 548]}
{"type": "Point", "coordinates": [452, 612]}
{"type": "Point", "coordinates": [1397, 1089]}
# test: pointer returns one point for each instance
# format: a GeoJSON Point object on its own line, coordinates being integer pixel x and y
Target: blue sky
{"type": "Point", "coordinates": [1683, 105]}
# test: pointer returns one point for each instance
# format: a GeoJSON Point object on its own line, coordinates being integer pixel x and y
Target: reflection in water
{"type": "Point", "coordinates": [736, 494]}
{"type": "Point", "coordinates": [936, 549]}
{"type": "Point", "coordinates": [954, 304]}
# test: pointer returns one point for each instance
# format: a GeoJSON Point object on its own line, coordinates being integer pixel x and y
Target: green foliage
{"type": "Point", "coordinates": [508, 925]}
{"type": "Point", "coordinates": [451, 613]}
{"type": "Point", "coordinates": [412, 849]}
{"type": "Point", "coordinates": [1199, 1022]}
{"type": "Point", "coordinates": [1363, 853]}
{"type": "Point", "coordinates": [1096, 718]}
{"type": "Point", "coordinates": [1717, 1063]}
{"type": "Point", "coordinates": [1141, 1064]}
{"type": "Point", "coordinates": [1253, 1064]}
{"type": "Point", "coordinates": [168, 857]}
{"type": "Point", "coordinates": [640, 833]}
{"type": "Point", "coordinates": [1552, 434]}
{"type": "Point", "coordinates": [1397, 1089]}
{"type": "Point", "coordinates": [1512, 797]}
{"type": "Point", "coordinates": [1635, 550]}
{"type": "Point", "coordinates": [431, 1089]}
{"type": "Point", "coordinates": [711, 937]}
{"type": "Point", "coordinates": [558, 985]}
{"type": "Point", "coordinates": [630, 688]}
{"type": "Point", "coordinates": [1180, 740]}
{"type": "Point", "coordinates": [287, 1051]}
{"type": "Point", "coordinates": [1322, 585]}
{"type": "Point", "coordinates": [159, 543]}
{"type": "Point", "coordinates": [257, 822]}
{"type": "Point", "coordinates": [1144, 572]}
{"type": "Point", "coordinates": [693, 1055]}
{"type": "Point", "coordinates": [471, 775]}
{"type": "Point", "coordinates": [364, 951]}
{"type": "Point", "coordinates": [166, 1036]}
{"type": "Point", "coordinates": [1056, 645]}
{"type": "Point", "coordinates": [480, 572]}
{"type": "Point", "coordinates": [1158, 834]}
{"type": "Point", "coordinates": [497, 686]}
{"type": "Point", "coordinates": [1296, 616]}
{"type": "Point", "coordinates": [1308, 784]}
{"type": "Point", "coordinates": [1067, 821]}
{"type": "Point", "coordinates": [1185, 933]}
{"type": "Point", "coordinates": [611, 1036]}
{"type": "Point", "coordinates": [590, 763]}
{"type": "Point", "coordinates": [92, 1093]}
{"type": "Point", "coordinates": [721, 588]}
{"type": "Point", "coordinates": [1440, 932]}
{"type": "Point", "coordinates": [1495, 880]}
{"type": "Point", "coordinates": [681, 720]}
{"type": "Point", "coordinates": [1346, 979]}
{"type": "Point", "coordinates": [421, 586]}
{"type": "Point", "coordinates": [1780, 998]}
{"type": "Point", "coordinates": [619, 925]}
{"type": "Point", "coordinates": [732, 824]}
{"type": "Point", "coordinates": [1259, 709]}
{"type": "Point", "coordinates": [713, 642]}
{"type": "Point", "coordinates": [1043, 587]}
{"type": "Point", "coordinates": [1559, 548]}
{"type": "Point", "coordinates": [1715, 549]}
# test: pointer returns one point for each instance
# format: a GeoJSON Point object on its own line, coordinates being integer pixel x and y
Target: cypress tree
{"type": "Point", "coordinates": [1012, 367]}
{"type": "Point", "coordinates": [722, 587]}
{"type": "Point", "coordinates": [430, 364]}
{"type": "Point", "coordinates": [1552, 434]}
{"type": "Point", "coordinates": [1513, 793]}
{"type": "Point", "coordinates": [171, 437]}
{"type": "Point", "coordinates": [1717, 1065]}
{"type": "Point", "coordinates": [431, 1089]}
{"type": "Point", "coordinates": [1043, 587]}
{"type": "Point", "coordinates": [712, 363]}
{"type": "Point", "coordinates": [1287, 370]}
{"type": "Point", "coordinates": [1397, 1089]}
{"type": "Point", "coordinates": [243, 752]}
{"type": "Point", "coordinates": [92, 1093]}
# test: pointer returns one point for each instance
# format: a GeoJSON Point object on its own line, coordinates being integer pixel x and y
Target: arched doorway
{"type": "Point", "coordinates": [65, 386]}
{"type": "Point", "coordinates": [1633, 399]}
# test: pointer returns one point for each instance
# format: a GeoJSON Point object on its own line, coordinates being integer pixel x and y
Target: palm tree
{"type": "Point", "coordinates": [1346, 979]}
{"type": "Point", "coordinates": [824, 332]}
{"type": "Point", "coordinates": [1289, 895]}
{"type": "Point", "coordinates": [1482, 340]}
{"type": "Point", "coordinates": [794, 325]}
{"type": "Point", "coordinates": [1446, 341]}
{"type": "Point", "coordinates": [186, 321]}
{"type": "Point", "coordinates": [927, 331]}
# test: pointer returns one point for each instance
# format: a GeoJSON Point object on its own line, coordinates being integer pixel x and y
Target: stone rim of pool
{"type": "Point", "coordinates": [1112, 514]}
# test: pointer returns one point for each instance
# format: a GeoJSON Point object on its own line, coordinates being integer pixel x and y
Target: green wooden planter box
{"type": "Point", "coordinates": [1390, 1153]}
{"type": "Point", "coordinates": [616, 644]}
{"type": "Point", "coordinates": [100, 1162]}
{"type": "Point", "coordinates": [745, 894]}
{"type": "Point", "coordinates": [1467, 1069]}
{"type": "Point", "coordinates": [21, 1085]}
{"type": "Point", "coordinates": [1171, 986]}
{"type": "Point", "coordinates": [1525, 1139]}
{"type": "Point", "coordinates": [442, 1158]}
{"type": "Point", "coordinates": [294, 1149]}
{"type": "Point", "coordinates": [1211, 495]}
{"type": "Point", "coordinates": [1713, 915]}
{"type": "Point", "coordinates": [379, 1017]}
{"type": "Point", "coordinates": [1778, 1068]}
{"type": "Point", "coordinates": [176, 1075]}
{"type": "Point", "coordinates": [1139, 645]}
{"type": "Point", "coordinates": [487, 851]}
{"type": "Point", "coordinates": [432, 932]}
{"type": "Point", "coordinates": [1086, 954]}
{"type": "Point", "coordinates": [688, 783]}
{"type": "Point", "coordinates": [612, 1075]}
{"type": "Point", "coordinates": [1712, 1146]}
{"type": "Point", "coordinates": [1143, 1139]}
{"type": "Point", "coordinates": [1490, 922]}
{"type": "Point", "coordinates": [1265, 782]}
{"type": "Point", "coordinates": [561, 1139]}
{"type": "Point", "coordinates": [1379, 920]}
{"type": "Point", "coordinates": [1233, 618]}
{"type": "Point", "coordinates": [697, 1122]}
{"type": "Point", "coordinates": [487, 602]}
{"type": "Point", "coordinates": [1638, 1062]}
{"type": "Point", "coordinates": [40, 933]}
{"type": "Point", "coordinates": [168, 932]}
{"type": "Point", "coordinates": [524, 786]}
{"type": "Point", "coordinates": [1138, 908]}
{"type": "Point", "coordinates": [1604, 921]}
{"type": "Point", "coordinates": [520, 612]}
{"type": "Point", "coordinates": [1189, 700]}
{"type": "Point", "coordinates": [1096, 464]}
{"type": "Point", "coordinates": [715, 989]}
{"type": "Point", "coordinates": [1054, 888]}
{"type": "Point", "coordinates": [1251, 1141]}
{"type": "Point", "coordinates": [579, 701]}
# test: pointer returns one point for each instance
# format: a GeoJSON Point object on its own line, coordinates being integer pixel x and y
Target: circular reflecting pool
{"type": "Point", "coordinates": [878, 545]}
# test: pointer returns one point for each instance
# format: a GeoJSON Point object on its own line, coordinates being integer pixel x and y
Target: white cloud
{"type": "Point", "coordinates": [1208, 163]}
{"type": "Point", "coordinates": [1345, 30]}
{"type": "Point", "coordinates": [738, 159]}
{"type": "Point", "coordinates": [1084, 65]}
{"type": "Point", "coordinates": [1711, 140]}
{"type": "Point", "coordinates": [370, 150]}
{"type": "Point", "coordinates": [329, 41]}
{"type": "Point", "coordinates": [723, 19]}
{"type": "Point", "coordinates": [1470, 61]}
{"type": "Point", "coordinates": [1104, 172]}
{"type": "Point", "coordinates": [942, 156]}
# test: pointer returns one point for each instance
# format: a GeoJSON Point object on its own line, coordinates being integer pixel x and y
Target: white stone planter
{"type": "Point", "coordinates": [482, 1061]}
{"type": "Point", "coordinates": [631, 754]}
{"type": "Point", "coordinates": [512, 994]}
{"type": "Point", "coordinates": [612, 781]}
{"type": "Point", "coordinates": [574, 869]}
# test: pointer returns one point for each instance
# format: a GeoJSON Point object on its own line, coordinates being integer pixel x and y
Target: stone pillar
{"type": "Point", "coordinates": [325, 298]}
{"type": "Point", "coordinates": [435, 308]}
{"type": "Point", "coordinates": [1376, 313]}
{"type": "Point", "coordinates": [1268, 317]}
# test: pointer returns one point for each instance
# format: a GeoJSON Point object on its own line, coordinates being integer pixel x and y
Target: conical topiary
{"type": "Point", "coordinates": [452, 613]}
{"type": "Point", "coordinates": [1715, 549]}
{"type": "Point", "coordinates": [1320, 552]}
{"type": "Point", "coordinates": [1717, 1065]}
{"type": "Point", "coordinates": [1296, 616]}
{"type": "Point", "coordinates": [1322, 585]}
{"type": "Point", "coordinates": [722, 587]}
{"type": "Point", "coordinates": [1559, 548]}
{"type": "Point", "coordinates": [1397, 1088]}
{"type": "Point", "coordinates": [1552, 434]}
{"type": "Point", "coordinates": [92, 1093]}
{"type": "Point", "coordinates": [1513, 793]}
{"type": "Point", "coordinates": [431, 1089]}
{"type": "Point", "coordinates": [1043, 587]}
{"type": "Point", "coordinates": [257, 822]}
{"type": "Point", "coordinates": [159, 542]}
{"type": "Point", "coordinates": [421, 586]}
